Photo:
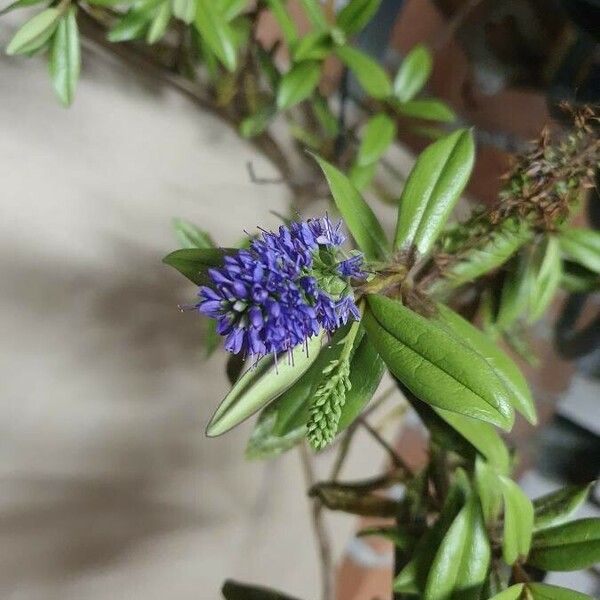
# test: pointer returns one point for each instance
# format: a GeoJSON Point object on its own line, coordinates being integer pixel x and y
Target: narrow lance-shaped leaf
{"type": "Point", "coordinates": [184, 10]}
{"type": "Point", "coordinates": [361, 177]}
{"type": "Point", "coordinates": [489, 490]}
{"type": "Point", "coordinates": [568, 547]}
{"type": "Point", "coordinates": [583, 246]}
{"type": "Point", "coordinates": [358, 216]}
{"type": "Point", "coordinates": [544, 591]}
{"type": "Point", "coordinates": [546, 280]}
{"type": "Point", "coordinates": [512, 593]}
{"type": "Point", "coordinates": [217, 33]}
{"type": "Point", "coordinates": [65, 57]}
{"type": "Point", "coordinates": [232, 8]}
{"type": "Point", "coordinates": [413, 73]}
{"type": "Point", "coordinates": [432, 190]}
{"type": "Point", "coordinates": [261, 384]}
{"type": "Point", "coordinates": [372, 78]}
{"type": "Point", "coordinates": [378, 134]}
{"type": "Point", "coordinates": [134, 23]}
{"type": "Point", "coordinates": [429, 109]}
{"type": "Point", "coordinates": [557, 507]}
{"type": "Point", "coordinates": [298, 84]}
{"type": "Point", "coordinates": [18, 4]}
{"type": "Point", "coordinates": [516, 293]}
{"type": "Point", "coordinates": [315, 13]}
{"type": "Point", "coordinates": [505, 368]}
{"type": "Point", "coordinates": [356, 14]}
{"type": "Point", "coordinates": [35, 32]}
{"type": "Point", "coordinates": [316, 45]}
{"type": "Point", "coordinates": [285, 22]}
{"type": "Point", "coordinates": [437, 367]}
{"type": "Point", "coordinates": [518, 522]}
{"type": "Point", "coordinates": [190, 236]}
{"type": "Point", "coordinates": [461, 562]}
{"type": "Point", "coordinates": [160, 22]}
{"type": "Point", "coordinates": [194, 263]}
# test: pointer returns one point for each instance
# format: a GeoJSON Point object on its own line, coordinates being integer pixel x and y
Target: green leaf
{"type": "Point", "coordinates": [577, 279]}
{"type": "Point", "coordinates": [437, 367]}
{"type": "Point", "coordinates": [582, 246]}
{"type": "Point", "coordinates": [501, 363]}
{"type": "Point", "coordinates": [461, 562]}
{"type": "Point", "coordinates": [356, 14]}
{"type": "Point", "coordinates": [65, 57]}
{"type": "Point", "coordinates": [315, 13]}
{"type": "Point", "coordinates": [568, 547]}
{"type": "Point", "coordinates": [516, 293]}
{"type": "Point", "coordinates": [194, 263]}
{"type": "Point", "coordinates": [489, 491]}
{"type": "Point", "coordinates": [378, 134]}
{"type": "Point", "coordinates": [19, 4]}
{"type": "Point", "coordinates": [316, 45]}
{"type": "Point", "coordinates": [501, 244]}
{"type": "Point", "coordinates": [232, 590]}
{"type": "Point", "coordinates": [399, 538]}
{"type": "Point", "coordinates": [185, 10]}
{"type": "Point", "coordinates": [373, 79]}
{"type": "Point", "coordinates": [433, 189]}
{"type": "Point", "coordinates": [231, 9]}
{"type": "Point", "coordinates": [518, 522]}
{"type": "Point", "coordinates": [324, 115]}
{"type": "Point", "coordinates": [190, 236]}
{"type": "Point", "coordinates": [512, 593]}
{"type": "Point", "coordinates": [413, 73]}
{"type": "Point", "coordinates": [357, 214]}
{"type": "Point", "coordinates": [361, 177]}
{"type": "Point", "coordinates": [258, 122]}
{"type": "Point", "coordinates": [285, 22]}
{"type": "Point", "coordinates": [298, 84]}
{"type": "Point", "coordinates": [160, 22]}
{"type": "Point", "coordinates": [429, 109]}
{"type": "Point", "coordinates": [546, 280]}
{"type": "Point", "coordinates": [35, 33]}
{"type": "Point", "coordinates": [217, 33]}
{"type": "Point", "coordinates": [543, 591]}
{"type": "Point", "coordinates": [261, 384]}
{"type": "Point", "coordinates": [557, 507]}
{"type": "Point", "coordinates": [414, 575]}
{"type": "Point", "coordinates": [134, 23]}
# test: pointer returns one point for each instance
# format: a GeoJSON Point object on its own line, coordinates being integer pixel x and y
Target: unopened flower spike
{"type": "Point", "coordinates": [284, 289]}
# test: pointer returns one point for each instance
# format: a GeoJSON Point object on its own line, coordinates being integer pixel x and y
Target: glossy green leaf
{"type": "Point", "coordinates": [366, 371]}
{"type": "Point", "coordinates": [371, 76]}
{"type": "Point", "coordinates": [489, 490]}
{"type": "Point", "coordinates": [315, 13]}
{"type": "Point", "coordinates": [217, 32]}
{"type": "Point", "coordinates": [19, 4]}
{"type": "Point", "coordinates": [436, 366]}
{"type": "Point", "coordinates": [357, 214]}
{"type": "Point", "coordinates": [160, 22]}
{"type": "Point", "coordinates": [512, 593]}
{"type": "Point", "coordinates": [261, 384]}
{"type": "Point", "coordinates": [433, 189]}
{"type": "Point", "coordinates": [285, 22]}
{"type": "Point", "coordinates": [298, 84]}
{"type": "Point", "coordinates": [546, 280]}
{"type": "Point", "coordinates": [35, 33]}
{"type": "Point", "coordinates": [194, 263]}
{"type": "Point", "coordinates": [461, 562]}
{"type": "Point", "coordinates": [428, 109]}
{"type": "Point", "coordinates": [518, 522]}
{"type": "Point", "coordinates": [185, 10]}
{"type": "Point", "coordinates": [378, 134]}
{"type": "Point", "coordinates": [413, 577]}
{"type": "Point", "coordinates": [503, 365]}
{"type": "Point", "coordinates": [502, 243]}
{"type": "Point", "coordinates": [65, 57]}
{"type": "Point", "coordinates": [316, 45]}
{"type": "Point", "coordinates": [190, 236]}
{"type": "Point", "coordinates": [356, 14]}
{"type": "Point", "coordinates": [543, 591]}
{"type": "Point", "coordinates": [361, 177]}
{"type": "Point", "coordinates": [516, 293]}
{"type": "Point", "coordinates": [413, 73]}
{"type": "Point", "coordinates": [582, 246]}
{"type": "Point", "coordinates": [567, 547]}
{"type": "Point", "coordinates": [134, 23]}
{"type": "Point", "coordinates": [559, 506]}
{"type": "Point", "coordinates": [233, 590]}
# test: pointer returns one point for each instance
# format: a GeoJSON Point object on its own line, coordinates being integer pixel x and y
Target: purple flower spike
{"type": "Point", "coordinates": [275, 296]}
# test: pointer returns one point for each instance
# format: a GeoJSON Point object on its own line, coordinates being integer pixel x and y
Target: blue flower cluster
{"type": "Point", "coordinates": [270, 298]}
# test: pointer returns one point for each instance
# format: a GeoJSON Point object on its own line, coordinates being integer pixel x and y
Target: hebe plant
{"type": "Point", "coordinates": [312, 321]}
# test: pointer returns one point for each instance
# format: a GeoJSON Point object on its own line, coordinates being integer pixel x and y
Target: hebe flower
{"type": "Point", "coordinates": [284, 289]}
